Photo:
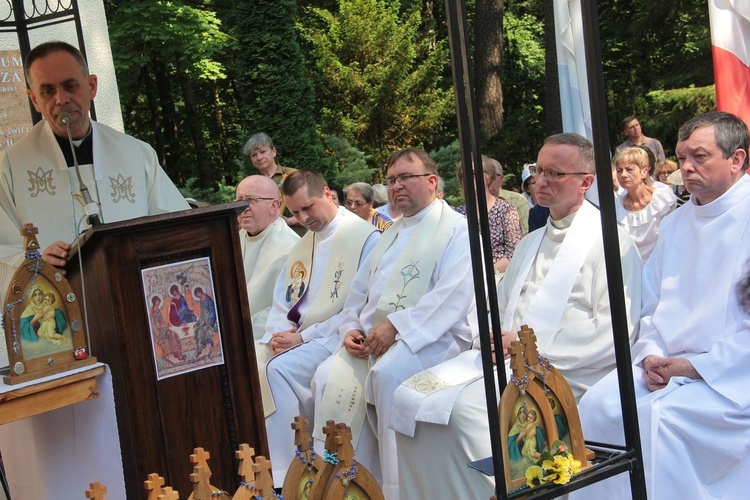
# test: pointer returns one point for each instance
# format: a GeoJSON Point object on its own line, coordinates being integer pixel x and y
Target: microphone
{"type": "Point", "coordinates": [91, 209]}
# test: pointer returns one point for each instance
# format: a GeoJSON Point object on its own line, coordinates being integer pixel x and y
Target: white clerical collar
{"type": "Point", "coordinates": [565, 222]}
{"type": "Point", "coordinates": [78, 142]}
{"type": "Point", "coordinates": [262, 234]}
{"type": "Point", "coordinates": [335, 223]}
{"type": "Point", "coordinates": [417, 217]}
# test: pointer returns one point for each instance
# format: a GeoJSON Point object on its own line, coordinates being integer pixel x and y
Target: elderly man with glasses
{"type": "Point", "coordinates": [265, 240]}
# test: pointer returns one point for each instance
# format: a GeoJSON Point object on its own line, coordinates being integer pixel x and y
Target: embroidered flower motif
{"type": "Point", "coordinates": [337, 280]}
{"type": "Point", "coordinates": [410, 272]}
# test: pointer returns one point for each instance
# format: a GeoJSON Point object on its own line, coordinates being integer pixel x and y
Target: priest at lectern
{"type": "Point", "coordinates": [41, 179]}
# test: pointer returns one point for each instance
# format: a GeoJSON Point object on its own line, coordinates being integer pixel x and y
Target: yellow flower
{"type": "Point", "coordinates": [534, 476]}
{"type": "Point", "coordinates": [575, 465]}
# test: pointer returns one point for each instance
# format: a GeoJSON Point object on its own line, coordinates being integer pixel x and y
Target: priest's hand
{"type": "Point", "coordinates": [56, 253]}
{"type": "Point", "coordinates": [281, 341]}
{"type": "Point", "coordinates": [381, 338]}
{"type": "Point", "coordinates": [353, 343]}
{"type": "Point", "coordinates": [657, 371]}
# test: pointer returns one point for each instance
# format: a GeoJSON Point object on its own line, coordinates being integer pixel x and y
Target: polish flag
{"type": "Point", "coordinates": [730, 37]}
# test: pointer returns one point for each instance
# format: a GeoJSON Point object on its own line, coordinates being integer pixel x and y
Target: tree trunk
{"type": "Point", "coordinates": [196, 132]}
{"type": "Point", "coordinates": [552, 107]}
{"type": "Point", "coordinates": [488, 62]}
{"type": "Point", "coordinates": [223, 149]}
{"type": "Point", "coordinates": [172, 150]}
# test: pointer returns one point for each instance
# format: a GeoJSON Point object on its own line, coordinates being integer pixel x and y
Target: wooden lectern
{"type": "Point", "coordinates": [160, 422]}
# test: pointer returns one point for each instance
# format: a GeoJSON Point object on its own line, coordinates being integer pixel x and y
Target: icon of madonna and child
{"type": "Point", "coordinates": [43, 324]}
{"type": "Point", "coordinates": [527, 438]}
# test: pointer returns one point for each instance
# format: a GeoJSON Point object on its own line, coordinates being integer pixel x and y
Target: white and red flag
{"type": "Point", "coordinates": [730, 37]}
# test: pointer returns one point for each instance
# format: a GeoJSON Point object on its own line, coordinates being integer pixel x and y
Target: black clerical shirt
{"type": "Point", "coordinates": [84, 152]}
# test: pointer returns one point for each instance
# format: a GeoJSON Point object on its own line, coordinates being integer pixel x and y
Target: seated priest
{"type": "Point", "coordinates": [307, 299]}
{"type": "Point", "coordinates": [39, 184]}
{"type": "Point", "coordinates": [265, 241]}
{"type": "Point", "coordinates": [556, 284]}
{"type": "Point", "coordinates": [691, 363]}
{"type": "Point", "coordinates": [412, 311]}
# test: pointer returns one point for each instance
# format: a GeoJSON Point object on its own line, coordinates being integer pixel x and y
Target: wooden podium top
{"type": "Point", "coordinates": [48, 393]}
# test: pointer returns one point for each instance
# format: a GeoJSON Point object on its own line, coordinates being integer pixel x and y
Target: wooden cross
{"type": "Point", "coordinates": [153, 485]}
{"type": "Point", "coordinates": [96, 491]}
{"type": "Point", "coordinates": [200, 457]}
{"type": "Point", "coordinates": [330, 431]}
{"type": "Point", "coordinates": [301, 436]}
{"type": "Point", "coordinates": [245, 469]}
{"type": "Point", "coordinates": [528, 339]}
{"type": "Point", "coordinates": [168, 494]}
{"type": "Point", "coordinates": [516, 360]}
{"type": "Point", "coordinates": [343, 441]}
{"type": "Point", "coordinates": [29, 232]}
{"type": "Point", "coordinates": [263, 477]}
{"type": "Point", "coordinates": [201, 486]}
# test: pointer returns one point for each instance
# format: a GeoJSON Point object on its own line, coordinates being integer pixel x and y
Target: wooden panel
{"type": "Point", "coordinates": [47, 396]}
{"type": "Point", "coordinates": [216, 408]}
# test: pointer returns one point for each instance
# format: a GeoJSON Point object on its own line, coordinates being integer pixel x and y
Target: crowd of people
{"type": "Point", "coordinates": [360, 295]}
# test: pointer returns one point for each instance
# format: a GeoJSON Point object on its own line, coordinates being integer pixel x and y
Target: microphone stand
{"type": "Point", "coordinates": [89, 206]}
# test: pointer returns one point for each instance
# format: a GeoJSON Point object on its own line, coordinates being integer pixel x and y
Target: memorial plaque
{"type": "Point", "coordinates": [15, 114]}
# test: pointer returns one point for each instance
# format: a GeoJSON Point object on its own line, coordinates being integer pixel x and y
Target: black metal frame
{"type": "Point", "coordinates": [618, 460]}
{"type": "Point", "coordinates": [43, 13]}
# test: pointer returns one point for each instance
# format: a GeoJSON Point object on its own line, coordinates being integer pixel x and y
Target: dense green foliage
{"type": "Point", "coordinates": [339, 84]}
{"type": "Point", "coordinates": [275, 94]}
{"type": "Point", "coordinates": [378, 85]}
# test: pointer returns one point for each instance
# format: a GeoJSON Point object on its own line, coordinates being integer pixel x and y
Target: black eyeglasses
{"type": "Point", "coordinates": [403, 178]}
{"type": "Point", "coordinates": [252, 200]}
{"type": "Point", "coordinates": [551, 175]}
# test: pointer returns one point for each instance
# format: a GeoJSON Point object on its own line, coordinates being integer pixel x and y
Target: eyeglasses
{"type": "Point", "coordinates": [252, 200]}
{"type": "Point", "coordinates": [551, 175]}
{"type": "Point", "coordinates": [403, 178]}
{"type": "Point", "coordinates": [354, 203]}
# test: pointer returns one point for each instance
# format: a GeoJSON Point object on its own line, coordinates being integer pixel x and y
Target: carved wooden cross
{"type": "Point", "coordinates": [263, 477]}
{"type": "Point", "coordinates": [301, 436]}
{"type": "Point", "coordinates": [154, 485]}
{"type": "Point", "coordinates": [29, 232]}
{"type": "Point", "coordinates": [517, 363]}
{"type": "Point", "coordinates": [343, 441]}
{"type": "Point", "coordinates": [330, 431]}
{"type": "Point", "coordinates": [200, 457]}
{"type": "Point", "coordinates": [168, 494]}
{"type": "Point", "coordinates": [201, 486]}
{"type": "Point", "coordinates": [96, 491]}
{"type": "Point", "coordinates": [245, 456]}
{"type": "Point", "coordinates": [528, 339]}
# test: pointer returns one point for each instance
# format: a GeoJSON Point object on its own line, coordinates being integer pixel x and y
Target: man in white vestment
{"type": "Point", "coordinates": [556, 284]}
{"type": "Point", "coordinates": [38, 186]}
{"type": "Point", "coordinates": [265, 241]}
{"type": "Point", "coordinates": [307, 299]}
{"type": "Point", "coordinates": [692, 360]}
{"type": "Point", "coordinates": [411, 312]}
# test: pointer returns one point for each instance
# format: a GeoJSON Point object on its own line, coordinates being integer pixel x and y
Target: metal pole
{"type": "Point", "coordinates": [476, 212]}
{"type": "Point", "coordinates": [613, 265]}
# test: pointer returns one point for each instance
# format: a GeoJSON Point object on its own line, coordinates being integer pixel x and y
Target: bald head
{"type": "Point", "coordinates": [262, 196]}
{"type": "Point", "coordinates": [261, 186]}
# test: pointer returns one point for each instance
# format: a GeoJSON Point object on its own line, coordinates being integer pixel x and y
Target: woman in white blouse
{"type": "Point", "coordinates": [642, 207]}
